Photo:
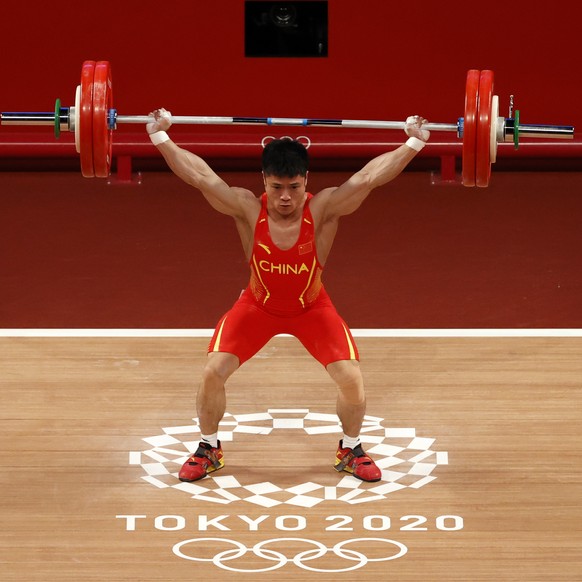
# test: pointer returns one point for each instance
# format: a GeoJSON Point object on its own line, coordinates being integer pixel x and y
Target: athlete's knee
{"type": "Point", "coordinates": [219, 367]}
{"type": "Point", "coordinates": [345, 372]}
{"type": "Point", "coordinates": [348, 377]}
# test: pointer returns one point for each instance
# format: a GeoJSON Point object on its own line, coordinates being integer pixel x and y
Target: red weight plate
{"type": "Point", "coordinates": [102, 135]}
{"type": "Point", "coordinates": [470, 126]}
{"type": "Point", "coordinates": [483, 161]}
{"type": "Point", "coordinates": [86, 119]}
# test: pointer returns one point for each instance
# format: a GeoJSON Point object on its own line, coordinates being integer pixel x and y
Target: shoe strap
{"type": "Point", "coordinates": [208, 453]}
{"type": "Point", "coordinates": [345, 460]}
{"type": "Point", "coordinates": [213, 458]}
{"type": "Point", "coordinates": [353, 458]}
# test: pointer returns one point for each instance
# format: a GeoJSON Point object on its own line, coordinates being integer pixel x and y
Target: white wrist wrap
{"type": "Point", "coordinates": [161, 136]}
{"type": "Point", "coordinates": [414, 143]}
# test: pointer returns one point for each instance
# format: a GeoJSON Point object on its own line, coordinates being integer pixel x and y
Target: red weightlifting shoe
{"type": "Point", "coordinates": [205, 460]}
{"type": "Point", "coordinates": [356, 462]}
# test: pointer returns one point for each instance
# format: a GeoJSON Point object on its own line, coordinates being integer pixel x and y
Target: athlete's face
{"type": "Point", "coordinates": [286, 195]}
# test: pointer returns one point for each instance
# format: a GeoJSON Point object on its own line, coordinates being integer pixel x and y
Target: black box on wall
{"type": "Point", "coordinates": [285, 29]}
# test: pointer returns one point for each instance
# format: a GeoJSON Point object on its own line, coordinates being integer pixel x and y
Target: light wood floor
{"type": "Point", "coordinates": [507, 411]}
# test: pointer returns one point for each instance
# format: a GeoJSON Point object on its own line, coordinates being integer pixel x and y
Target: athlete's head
{"type": "Point", "coordinates": [285, 158]}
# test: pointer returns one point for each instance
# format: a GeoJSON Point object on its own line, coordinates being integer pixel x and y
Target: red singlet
{"type": "Point", "coordinates": [285, 295]}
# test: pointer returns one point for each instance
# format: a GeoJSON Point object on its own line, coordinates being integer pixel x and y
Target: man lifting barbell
{"type": "Point", "coordinates": [287, 235]}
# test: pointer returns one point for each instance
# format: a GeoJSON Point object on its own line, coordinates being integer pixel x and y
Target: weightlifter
{"type": "Point", "coordinates": [287, 234]}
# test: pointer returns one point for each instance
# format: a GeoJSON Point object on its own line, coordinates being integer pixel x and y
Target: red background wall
{"type": "Point", "coordinates": [386, 59]}
{"type": "Point", "coordinates": [79, 253]}
{"type": "Point", "coordinates": [82, 253]}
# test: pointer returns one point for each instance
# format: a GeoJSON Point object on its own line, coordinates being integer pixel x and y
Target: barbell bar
{"type": "Point", "coordinates": [354, 123]}
{"type": "Point", "coordinates": [93, 120]}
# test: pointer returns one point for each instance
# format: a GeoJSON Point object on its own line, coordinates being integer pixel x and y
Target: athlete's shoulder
{"type": "Point", "coordinates": [323, 196]}
{"type": "Point", "coordinates": [321, 201]}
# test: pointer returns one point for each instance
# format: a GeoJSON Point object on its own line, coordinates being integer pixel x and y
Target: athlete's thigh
{"type": "Point", "coordinates": [325, 335]}
{"type": "Point", "coordinates": [243, 331]}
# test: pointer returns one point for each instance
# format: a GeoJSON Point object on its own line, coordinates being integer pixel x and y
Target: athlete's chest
{"type": "Point", "coordinates": [284, 234]}
{"type": "Point", "coordinates": [287, 243]}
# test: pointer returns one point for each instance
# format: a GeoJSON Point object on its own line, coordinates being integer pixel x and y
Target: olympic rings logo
{"type": "Point", "coordinates": [302, 139]}
{"type": "Point", "coordinates": [300, 559]}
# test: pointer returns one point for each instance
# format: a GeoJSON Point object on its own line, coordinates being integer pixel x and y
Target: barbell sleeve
{"type": "Point", "coordinates": [539, 131]}
{"type": "Point", "coordinates": [30, 117]}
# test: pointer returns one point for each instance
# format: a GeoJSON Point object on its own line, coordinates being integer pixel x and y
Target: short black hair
{"type": "Point", "coordinates": [286, 158]}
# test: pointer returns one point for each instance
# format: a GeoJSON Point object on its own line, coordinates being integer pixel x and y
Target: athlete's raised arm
{"type": "Point", "coordinates": [348, 197]}
{"type": "Point", "coordinates": [196, 172]}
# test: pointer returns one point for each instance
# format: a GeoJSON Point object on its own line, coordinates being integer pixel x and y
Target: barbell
{"type": "Point", "coordinates": [93, 120]}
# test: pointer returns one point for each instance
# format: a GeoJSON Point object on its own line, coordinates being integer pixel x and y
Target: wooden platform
{"type": "Point", "coordinates": [504, 413]}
